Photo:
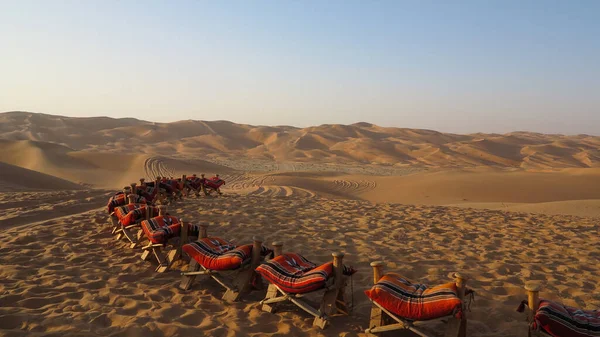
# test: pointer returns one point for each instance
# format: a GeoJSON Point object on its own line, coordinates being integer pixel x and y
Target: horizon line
{"type": "Point", "coordinates": [311, 126]}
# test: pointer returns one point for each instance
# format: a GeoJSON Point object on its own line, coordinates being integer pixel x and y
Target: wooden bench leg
{"type": "Point", "coordinates": [379, 318]}
{"type": "Point", "coordinates": [114, 222]}
{"type": "Point", "coordinates": [272, 289]}
{"type": "Point", "coordinates": [146, 254]}
{"type": "Point", "coordinates": [533, 302]}
{"type": "Point", "coordinates": [127, 234]}
{"type": "Point", "coordinates": [188, 280]}
{"type": "Point", "coordinates": [271, 294]}
{"type": "Point", "coordinates": [457, 327]}
{"type": "Point", "coordinates": [163, 262]}
{"type": "Point", "coordinates": [243, 282]}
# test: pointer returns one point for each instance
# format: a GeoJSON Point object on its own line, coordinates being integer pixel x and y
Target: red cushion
{"type": "Point", "coordinates": [119, 199]}
{"type": "Point", "coordinates": [217, 254]}
{"type": "Point", "coordinates": [137, 214]}
{"type": "Point", "coordinates": [295, 274]}
{"type": "Point", "coordinates": [562, 321]}
{"type": "Point", "coordinates": [162, 228]}
{"type": "Point", "coordinates": [414, 301]}
{"type": "Point", "coordinates": [214, 183]}
{"type": "Point", "coordinates": [121, 211]}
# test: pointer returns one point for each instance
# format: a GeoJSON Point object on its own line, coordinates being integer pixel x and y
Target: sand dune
{"type": "Point", "coordinates": [14, 178]}
{"type": "Point", "coordinates": [366, 162]}
{"type": "Point", "coordinates": [359, 143]}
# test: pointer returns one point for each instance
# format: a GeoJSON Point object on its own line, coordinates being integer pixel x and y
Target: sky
{"type": "Point", "coordinates": [454, 66]}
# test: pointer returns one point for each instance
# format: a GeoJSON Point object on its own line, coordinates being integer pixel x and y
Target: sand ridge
{"type": "Point", "coordinates": [359, 143]}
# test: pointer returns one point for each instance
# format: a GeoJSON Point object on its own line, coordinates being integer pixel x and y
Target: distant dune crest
{"type": "Point", "coordinates": [359, 143]}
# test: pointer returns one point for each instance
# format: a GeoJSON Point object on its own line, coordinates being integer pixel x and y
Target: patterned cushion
{"type": "Point", "coordinates": [414, 301]}
{"type": "Point", "coordinates": [122, 211]}
{"type": "Point", "coordinates": [194, 182]}
{"type": "Point", "coordinates": [217, 254]}
{"type": "Point", "coordinates": [137, 214]}
{"type": "Point", "coordinates": [149, 193]}
{"type": "Point", "coordinates": [562, 321]}
{"type": "Point", "coordinates": [295, 274]}
{"type": "Point", "coordinates": [162, 228]}
{"type": "Point", "coordinates": [214, 183]}
{"type": "Point", "coordinates": [119, 199]}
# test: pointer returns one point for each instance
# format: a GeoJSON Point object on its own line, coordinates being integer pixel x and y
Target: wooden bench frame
{"type": "Point", "coordinates": [383, 321]}
{"type": "Point", "coordinates": [114, 221]}
{"type": "Point", "coordinates": [198, 190]}
{"type": "Point", "coordinates": [244, 275]}
{"type": "Point", "coordinates": [533, 302]}
{"type": "Point", "coordinates": [165, 260]}
{"type": "Point", "coordinates": [125, 231]}
{"type": "Point", "coordinates": [208, 191]}
{"type": "Point", "coordinates": [333, 302]}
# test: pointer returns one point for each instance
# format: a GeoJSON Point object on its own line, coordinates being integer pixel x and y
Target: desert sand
{"type": "Point", "coordinates": [503, 209]}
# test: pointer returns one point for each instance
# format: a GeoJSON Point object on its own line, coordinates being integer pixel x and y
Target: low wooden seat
{"type": "Point", "coordinates": [166, 236]}
{"type": "Point", "coordinates": [550, 318]}
{"type": "Point", "coordinates": [333, 287]}
{"type": "Point", "coordinates": [215, 257]}
{"type": "Point", "coordinates": [130, 217]}
{"type": "Point", "coordinates": [397, 292]}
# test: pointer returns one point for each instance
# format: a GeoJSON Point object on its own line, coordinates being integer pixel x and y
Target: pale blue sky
{"type": "Point", "coordinates": [458, 66]}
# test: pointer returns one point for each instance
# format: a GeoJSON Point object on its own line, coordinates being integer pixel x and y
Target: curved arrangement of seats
{"type": "Point", "coordinates": [549, 318]}
{"type": "Point", "coordinates": [398, 303]}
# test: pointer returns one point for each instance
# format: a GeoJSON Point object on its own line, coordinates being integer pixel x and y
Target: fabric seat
{"type": "Point", "coordinates": [195, 182]}
{"type": "Point", "coordinates": [563, 321]}
{"type": "Point", "coordinates": [136, 214]}
{"type": "Point", "coordinates": [119, 199]}
{"type": "Point", "coordinates": [217, 254]}
{"type": "Point", "coordinates": [160, 229]}
{"type": "Point", "coordinates": [296, 275]}
{"type": "Point", "coordinates": [214, 183]}
{"type": "Point", "coordinates": [414, 301]}
{"type": "Point", "coordinates": [122, 211]}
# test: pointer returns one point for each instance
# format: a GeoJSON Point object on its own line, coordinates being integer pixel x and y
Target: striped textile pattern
{"type": "Point", "coordinates": [119, 199]}
{"type": "Point", "coordinates": [122, 211]}
{"type": "Point", "coordinates": [296, 275]}
{"type": "Point", "coordinates": [161, 228]}
{"type": "Point", "coordinates": [214, 183]}
{"type": "Point", "coordinates": [137, 214]}
{"type": "Point", "coordinates": [563, 321]}
{"type": "Point", "coordinates": [414, 301]}
{"type": "Point", "coordinates": [217, 254]}
{"type": "Point", "coordinates": [148, 193]}
{"type": "Point", "coordinates": [195, 182]}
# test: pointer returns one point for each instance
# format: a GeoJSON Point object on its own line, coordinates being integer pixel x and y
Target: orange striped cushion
{"type": "Point", "coordinates": [295, 274]}
{"type": "Point", "coordinates": [560, 320]}
{"type": "Point", "coordinates": [217, 254]}
{"type": "Point", "coordinates": [414, 301]}
{"type": "Point", "coordinates": [122, 211]}
{"type": "Point", "coordinates": [119, 199]}
{"type": "Point", "coordinates": [137, 214]}
{"type": "Point", "coordinates": [162, 228]}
